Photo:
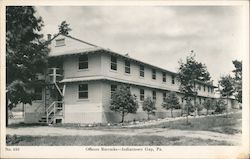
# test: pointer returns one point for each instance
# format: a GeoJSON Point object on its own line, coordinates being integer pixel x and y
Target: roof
{"type": "Point", "coordinates": [91, 48]}
{"type": "Point", "coordinates": [96, 78]}
{"type": "Point", "coordinates": [91, 78]}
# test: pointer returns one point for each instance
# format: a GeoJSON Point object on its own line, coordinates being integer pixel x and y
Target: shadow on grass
{"type": "Point", "coordinates": [109, 140]}
{"type": "Point", "coordinates": [22, 124]}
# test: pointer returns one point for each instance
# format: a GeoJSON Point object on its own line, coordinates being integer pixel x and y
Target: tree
{"type": "Point", "coordinates": [238, 80]}
{"type": "Point", "coordinates": [123, 102]}
{"type": "Point", "coordinates": [148, 105]}
{"type": "Point", "coordinates": [188, 108]}
{"type": "Point", "coordinates": [26, 53]}
{"type": "Point", "coordinates": [188, 74]}
{"type": "Point", "coordinates": [171, 102]}
{"type": "Point", "coordinates": [220, 105]}
{"type": "Point", "coordinates": [199, 108]}
{"type": "Point", "coordinates": [226, 82]}
{"type": "Point", "coordinates": [64, 28]}
{"type": "Point", "coordinates": [208, 104]}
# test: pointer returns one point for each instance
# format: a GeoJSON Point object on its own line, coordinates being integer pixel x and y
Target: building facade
{"type": "Point", "coordinates": [81, 77]}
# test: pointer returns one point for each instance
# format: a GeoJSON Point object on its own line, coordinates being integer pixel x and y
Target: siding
{"type": "Point", "coordinates": [134, 75]}
{"type": "Point", "coordinates": [70, 66]}
{"type": "Point", "coordinates": [83, 110]}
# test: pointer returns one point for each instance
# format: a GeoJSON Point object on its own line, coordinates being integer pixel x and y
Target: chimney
{"type": "Point", "coordinates": [49, 37]}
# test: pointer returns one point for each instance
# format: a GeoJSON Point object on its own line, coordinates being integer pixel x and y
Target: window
{"type": "Point", "coordinates": [113, 63]}
{"type": "Point", "coordinates": [127, 67]}
{"type": "Point", "coordinates": [153, 74]}
{"type": "Point", "coordinates": [173, 81]}
{"type": "Point", "coordinates": [199, 87]}
{"type": "Point", "coordinates": [164, 96]}
{"type": "Point", "coordinates": [204, 88]}
{"type": "Point", "coordinates": [200, 100]}
{"type": "Point", "coordinates": [212, 89]}
{"type": "Point", "coordinates": [83, 91]}
{"type": "Point", "coordinates": [208, 89]}
{"type": "Point", "coordinates": [60, 42]}
{"type": "Point", "coordinates": [182, 100]}
{"type": "Point", "coordinates": [38, 93]}
{"type": "Point", "coordinates": [163, 77]}
{"type": "Point", "coordinates": [141, 70]}
{"type": "Point", "coordinates": [141, 94]}
{"type": "Point", "coordinates": [83, 62]}
{"type": "Point", "coordinates": [113, 88]}
{"type": "Point", "coordinates": [154, 95]}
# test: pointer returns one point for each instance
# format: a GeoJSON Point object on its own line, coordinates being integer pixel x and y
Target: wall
{"type": "Point", "coordinates": [134, 75]}
{"type": "Point", "coordinates": [110, 116]}
{"type": "Point", "coordinates": [34, 112]}
{"type": "Point", "coordinates": [70, 66]}
{"type": "Point", "coordinates": [83, 110]}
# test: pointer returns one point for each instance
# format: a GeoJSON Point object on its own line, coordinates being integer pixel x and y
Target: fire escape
{"type": "Point", "coordinates": [54, 92]}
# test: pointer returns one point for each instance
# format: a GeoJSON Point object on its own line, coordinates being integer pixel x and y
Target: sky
{"type": "Point", "coordinates": [159, 35]}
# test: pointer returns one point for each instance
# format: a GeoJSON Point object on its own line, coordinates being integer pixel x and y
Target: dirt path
{"type": "Point", "coordinates": [55, 131]}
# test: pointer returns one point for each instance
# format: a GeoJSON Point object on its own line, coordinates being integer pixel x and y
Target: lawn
{"type": "Point", "coordinates": [230, 124]}
{"type": "Point", "coordinates": [110, 140]}
{"type": "Point", "coordinates": [223, 125]}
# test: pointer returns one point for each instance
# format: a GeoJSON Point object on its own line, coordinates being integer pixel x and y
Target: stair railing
{"type": "Point", "coordinates": [56, 105]}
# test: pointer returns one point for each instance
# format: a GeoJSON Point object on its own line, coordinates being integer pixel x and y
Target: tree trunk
{"type": "Point", "coordinates": [227, 107]}
{"type": "Point", "coordinates": [7, 113]}
{"type": "Point", "coordinates": [195, 106]}
{"type": "Point", "coordinates": [187, 114]}
{"type": "Point", "coordinates": [122, 117]}
{"type": "Point", "coordinates": [171, 113]}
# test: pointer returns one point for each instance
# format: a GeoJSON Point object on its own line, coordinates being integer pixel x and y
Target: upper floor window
{"type": "Point", "coordinates": [113, 88]}
{"type": "Point", "coordinates": [182, 100]}
{"type": "Point", "coordinates": [154, 95]}
{"type": "Point", "coordinates": [83, 91]}
{"type": "Point", "coordinates": [200, 100]}
{"type": "Point", "coordinates": [141, 70]}
{"type": "Point", "coordinates": [208, 89]}
{"type": "Point", "coordinates": [60, 42]}
{"type": "Point", "coordinates": [173, 80]}
{"type": "Point", "coordinates": [83, 62]}
{"type": "Point", "coordinates": [153, 74]}
{"type": "Point", "coordinates": [127, 66]}
{"type": "Point", "coordinates": [141, 94]}
{"type": "Point", "coordinates": [113, 63]}
{"type": "Point", "coordinates": [164, 96]}
{"type": "Point", "coordinates": [163, 77]}
{"type": "Point", "coordinates": [38, 93]}
{"type": "Point", "coordinates": [199, 87]}
{"type": "Point", "coordinates": [204, 88]}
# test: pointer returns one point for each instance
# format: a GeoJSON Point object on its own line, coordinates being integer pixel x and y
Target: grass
{"type": "Point", "coordinates": [221, 124]}
{"type": "Point", "coordinates": [109, 140]}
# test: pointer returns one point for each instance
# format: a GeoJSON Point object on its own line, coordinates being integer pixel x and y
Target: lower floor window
{"type": "Point", "coordinates": [154, 95]}
{"type": "Point", "coordinates": [141, 94]}
{"type": "Point", "coordinates": [113, 88]}
{"type": "Point", "coordinates": [83, 91]}
{"type": "Point", "coordinates": [38, 93]}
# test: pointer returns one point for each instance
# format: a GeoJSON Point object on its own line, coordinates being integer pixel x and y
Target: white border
{"type": "Point", "coordinates": [168, 151]}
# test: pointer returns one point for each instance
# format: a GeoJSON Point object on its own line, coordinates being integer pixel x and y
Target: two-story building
{"type": "Point", "coordinates": [81, 77]}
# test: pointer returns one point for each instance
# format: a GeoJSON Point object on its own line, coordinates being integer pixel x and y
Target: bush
{"type": "Point", "coordinates": [11, 140]}
{"type": "Point", "coordinates": [149, 106]}
{"type": "Point", "coordinates": [220, 106]}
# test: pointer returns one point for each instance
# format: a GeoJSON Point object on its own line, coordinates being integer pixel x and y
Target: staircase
{"type": "Point", "coordinates": [54, 110]}
{"type": "Point", "coordinates": [54, 113]}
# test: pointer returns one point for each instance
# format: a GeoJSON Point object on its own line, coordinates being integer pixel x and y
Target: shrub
{"type": "Point", "coordinates": [149, 106]}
